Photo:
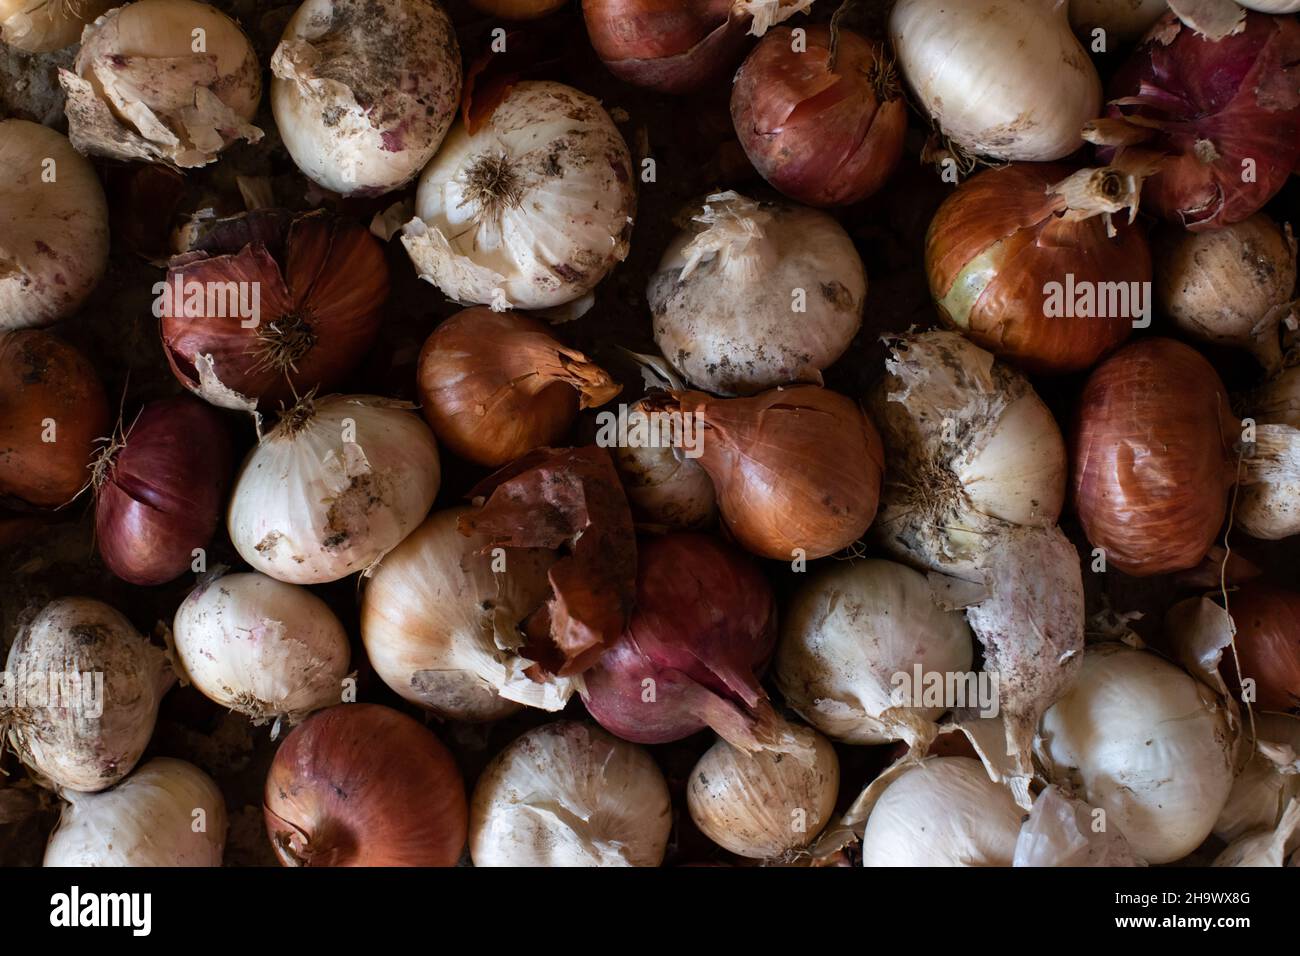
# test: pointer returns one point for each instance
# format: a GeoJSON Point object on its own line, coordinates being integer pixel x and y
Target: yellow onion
{"type": "Point", "coordinates": [42, 26]}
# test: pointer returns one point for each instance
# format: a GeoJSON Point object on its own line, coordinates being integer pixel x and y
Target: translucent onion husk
{"type": "Point", "coordinates": [71, 745]}
{"type": "Point", "coordinates": [138, 90]}
{"type": "Point", "coordinates": [1268, 782]}
{"type": "Point", "coordinates": [1264, 847]}
{"type": "Point", "coordinates": [569, 794]}
{"type": "Point", "coordinates": [338, 483]}
{"type": "Point", "coordinates": [1063, 831]}
{"type": "Point", "coordinates": [666, 489]}
{"type": "Point", "coordinates": [756, 294]}
{"type": "Point", "coordinates": [363, 91]}
{"type": "Point", "coordinates": [1268, 500]}
{"type": "Point", "coordinates": [54, 247]}
{"type": "Point", "coordinates": [43, 26]}
{"type": "Point", "coordinates": [167, 813]}
{"type": "Point", "coordinates": [1148, 744]}
{"type": "Point", "coordinates": [1123, 20]}
{"type": "Point", "coordinates": [445, 630]}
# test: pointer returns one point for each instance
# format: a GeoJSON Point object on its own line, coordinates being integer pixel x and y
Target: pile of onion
{"type": "Point", "coordinates": [495, 385]}
{"type": "Point", "coordinates": [321, 283]}
{"type": "Point", "coordinates": [1267, 641]}
{"type": "Point", "coordinates": [54, 412]}
{"type": "Point", "coordinates": [824, 123]}
{"type": "Point", "coordinates": [46, 25]}
{"type": "Point", "coordinates": [364, 785]}
{"type": "Point", "coordinates": [756, 294]}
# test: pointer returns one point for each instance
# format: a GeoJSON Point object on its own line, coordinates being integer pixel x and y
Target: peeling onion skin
{"type": "Point", "coordinates": [84, 636]}
{"type": "Point", "coordinates": [569, 794]}
{"type": "Point", "coordinates": [820, 137]}
{"type": "Point", "coordinates": [46, 25]}
{"type": "Point", "coordinates": [54, 247]}
{"type": "Point", "coordinates": [364, 785]}
{"type": "Point", "coordinates": [1268, 645]}
{"type": "Point", "coordinates": [363, 92]}
{"type": "Point", "coordinates": [1262, 789]}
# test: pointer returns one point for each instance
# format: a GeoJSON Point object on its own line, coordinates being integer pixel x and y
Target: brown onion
{"type": "Point", "coordinates": [1152, 457]}
{"type": "Point", "coordinates": [997, 243]}
{"type": "Point", "coordinates": [1268, 645]}
{"type": "Point", "coordinates": [52, 410]}
{"type": "Point", "coordinates": [321, 283]}
{"type": "Point", "coordinates": [824, 128]}
{"type": "Point", "coordinates": [797, 470]}
{"type": "Point", "coordinates": [365, 785]}
{"type": "Point", "coordinates": [160, 490]}
{"type": "Point", "coordinates": [495, 385]}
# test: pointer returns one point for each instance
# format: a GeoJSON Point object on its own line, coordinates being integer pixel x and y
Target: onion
{"type": "Point", "coordinates": [82, 694]}
{"type": "Point", "coordinates": [1271, 6]}
{"type": "Point", "coordinates": [270, 305]}
{"type": "Point", "coordinates": [665, 489]}
{"type": "Point", "coordinates": [160, 490]}
{"type": "Point", "coordinates": [55, 243]}
{"type": "Point", "coordinates": [42, 26]}
{"type": "Point", "coordinates": [944, 811]}
{"type": "Point", "coordinates": [443, 629]}
{"type": "Point", "coordinates": [1004, 79]}
{"type": "Point", "coordinates": [1146, 743]}
{"type": "Point", "coordinates": [1267, 783]}
{"type": "Point", "coordinates": [824, 126]}
{"type": "Point", "coordinates": [1019, 260]}
{"type": "Point", "coordinates": [364, 785]}
{"type": "Point", "coordinates": [1123, 20]}
{"type": "Point", "coordinates": [797, 470]}
{"type": "Point", "coordinates": [1062, 831]}
{"type": "Point", "coordinates": [765, 806]}
{"type": "Point", "coordinates": [363, 92]}
{"type": "Point", "coordinates": [1232, 285]}
{"type": "Point", "coordinates": [1264, 847]}
{"type": "Point", "coordinates": [1152, 457]}
{"type": "Point", "coordinates": [261, 647]}
{"type": "Point", "coordinates": [54, 411]}
{"type": "Point", "coordinates": [531, 209]}
{"type": "Point", "coordinates": [848, 633]}
{"type": "Point", "coordinates": [756, 294]}
{"type": "Point", "coordinates": [1267, 640]}
{"type": "Point", "coordinates": [140, 90]}
{"type": "Point", "coordinates": [1226, 112]}
{"type": "Point", "coordinates": [167, 813]}
{"type": "Point", "coordinates": [704, 624]}
{"type": "Point", "coordinates": [1268, 502]}
{"type": "Point", "coordinates": [519, 9]}
{"type": "Point", "coordinates": [567, 794]}
{"type": "Point", "coordinates": [332, 488]}
{"type": "Point", "coordinates": [497, 385]}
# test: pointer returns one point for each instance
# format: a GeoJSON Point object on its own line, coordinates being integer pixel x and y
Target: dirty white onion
{"type": "Point", "coordinates": [532, 209]}
{"type": "Point", "coordinates": [847, 633]}
{"type": "Point", "coordinates": [1004, 79]}
{"type": "Point", "coordinates": [1268, 501]}
{"type": "Point", "coordinates": [756, 294]}
{"type": "Point", "coordinates": [332, 488]}
{"type": "Point", "coordinates": [363, 92]}
{"type": "Point", "coordinates": [261, 647]}
{"type": "Point", "coordinates": [42, 26]}
{"type": "Point", "coordinates": [665, 488]}
{"type": "Point", "coordinates": [1148, 744]}
{"type": "Point", "coordinates": [167, 813]}
{"type": "Point", "coordinates": [1262, 788]}
{"type": "Point", "coordinates": [54, 245]}
{"type": "Point", "coordinates": [570, 794]}
{"type": "Point", "coordinates": [1122, 20]}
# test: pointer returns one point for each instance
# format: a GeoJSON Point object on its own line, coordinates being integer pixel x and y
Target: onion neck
{"type": "Point", "coordinates": [735, 237]}
{"type": "Point", "coordinates": [1104, 191]}
{"type": "Point", "coordinates": [283, 343]}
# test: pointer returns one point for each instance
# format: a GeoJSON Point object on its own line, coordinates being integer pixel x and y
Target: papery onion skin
{"type": "Point", "coordinates": [364, 785]}
{"type": "Point", "coordinates": [822, 137]}
{"type": "Point", "coordinates": [364, 91]}
{"type": "Point", "coordinates": [46, 25]}
{"type": "Point", "coordinates": [1268, 645]}
{"type": "Point", "coordinates": [149, 819]}
{"type": "Point", "coordinates": [1152, 459]}
{"type": "Point", "coordinates": [48, 389]}
{"type": "Point", "coordinates": [322, 284]}
{"type": "Point", "coordinates": [162, 493]}
{"type": "Point", "coordinates": [995, 245]}
{"type": "Point", "coordinates": [1262, 788]}
{"type": "Point", "coordinates": [569, 794]}
{"type": "Point", "coordinates": [495, 385]}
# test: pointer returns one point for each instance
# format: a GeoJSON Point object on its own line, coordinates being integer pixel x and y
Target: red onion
{"type": "Point", "coordinates": [823, 136]}
{"type": "Point", "coordinates": [160, 490]}
{"type": "Point", "coordinates": [364, 785]}
{"type": "Point", "coordinates": [1268, 645]}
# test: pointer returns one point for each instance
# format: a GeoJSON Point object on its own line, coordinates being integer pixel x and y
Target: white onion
{"type": "Point", "coordinates": [756, 294]}
{"type": "Point", "coordinates": [261, 647]}
{"type": "Point", "coordinates": [664, 488]}
{"type": "Point", "coordinates": [1004, 79]}
{"type": "Point", "coordinates": [1140, 739]}
{"type": "Point", "coordinates": [443, 630]}
{"type": "Point", "coordinates": [167, 813]}
{"type": "Point", "coordinates": [72, 745]}
{"type": "Point", "coordinates": [41, 26]}
{"type": "Point", "coordinates": [1267, 783]}
{"type": "Point", "coordinates": [848, 632]}
{"type": "Point", "coordinates": [140, 90]}
{"type": "Point", "coordinates": [364, 92]}
{"type": "Point", "coordinates": [570, 794]}
{"type": "Point", "coordinates": [1268, 499]}
{"type": "Point", "coordinates": [332, 488]}
{"type": "Point", "coordinates": [531, 210]}
{"type": "Point", "coordinates": [1264, 847]}
{"type": "Point", "coordinates": [54, 245]}
{"type": "Point", "coordinates": [1121, 19]}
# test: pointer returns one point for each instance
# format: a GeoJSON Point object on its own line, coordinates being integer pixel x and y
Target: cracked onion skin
{"type": "Point", "coordinates": [1153, 457]}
